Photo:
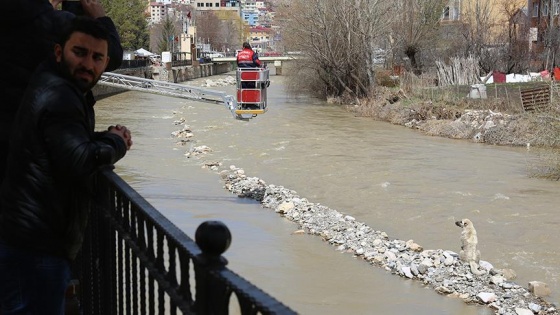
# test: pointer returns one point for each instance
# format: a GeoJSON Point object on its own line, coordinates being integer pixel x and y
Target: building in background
{"type": "Point", "coordinates": [216, 5]}
{"type": "Point", "coordinates": [158, 12]}
{"type": "Point", "coordinates": [261, 38]}
{"type": "Point", "coordinates": [254, 17]}
{"type": "Point", "coordinates": [543, 15]}
{"type": "Point", "coordinates": [452, 12]}
{"type": "Point", "coordinates": [250, 17]}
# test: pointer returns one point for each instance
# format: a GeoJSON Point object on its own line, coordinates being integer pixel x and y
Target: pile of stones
{"type": "Point", "coordinates": [441, 270]}
{"type": "Point", "coordinates": [229, 80]}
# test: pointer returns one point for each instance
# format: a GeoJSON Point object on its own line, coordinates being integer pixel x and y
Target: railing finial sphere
{"type": "Point", "coordinates": [213, 237]}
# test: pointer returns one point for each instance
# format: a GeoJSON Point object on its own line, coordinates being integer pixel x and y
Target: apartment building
{"type": "Point", "coordinates": [171, 1]}
{"type": "Point", "coordinates": [452, 12]}
{"type": "Point", "coordinates": [261, 37]}
{"type": "Point", "coordinates": [543, 15]}
{"type": "Point", "coordinates": [158, 11]}
{"type": "Point", "coordinates": [213, 5]}
{"type": "Point", "coordinates": [250, 17]}
{"type": "Point", "coordinates": [492, 13]}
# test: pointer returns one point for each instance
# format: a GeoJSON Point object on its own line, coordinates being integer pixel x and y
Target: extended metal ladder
{"type": "Point", "coordinates": [172, 89]}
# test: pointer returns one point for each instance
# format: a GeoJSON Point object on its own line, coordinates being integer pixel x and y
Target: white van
{"type": "Point", "coordinates": [213, 54]}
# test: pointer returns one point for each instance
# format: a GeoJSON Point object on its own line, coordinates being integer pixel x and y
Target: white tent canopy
{"type": "Point", "coordinates": [143, 53]}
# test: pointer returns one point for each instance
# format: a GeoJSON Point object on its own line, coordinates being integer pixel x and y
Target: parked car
{"type": "Point", "coordinates": [213, 54]}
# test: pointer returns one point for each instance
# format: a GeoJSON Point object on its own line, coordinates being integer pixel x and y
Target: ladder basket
{"type": "Point", "coordinates": [251, 90]}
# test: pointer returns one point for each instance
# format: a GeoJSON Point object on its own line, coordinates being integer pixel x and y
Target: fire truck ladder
{"type": "Point", "coordinates": [173, 90]}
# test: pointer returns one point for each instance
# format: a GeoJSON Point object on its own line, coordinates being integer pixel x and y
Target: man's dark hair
{"type": "Point", "coordinates": [86, 25]}
{"type": "Point", "coordinates": [246, 45]}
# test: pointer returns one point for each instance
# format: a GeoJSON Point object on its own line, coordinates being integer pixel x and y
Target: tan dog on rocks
{"type": "Point", "coordinates": [469, 240]}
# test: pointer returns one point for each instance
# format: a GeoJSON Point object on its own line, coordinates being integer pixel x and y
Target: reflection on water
{"type": "Point", "coordinates": [392, 178]}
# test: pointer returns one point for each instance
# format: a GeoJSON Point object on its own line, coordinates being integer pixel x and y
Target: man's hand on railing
{"type": "Point", "coordinates": [124, 133]}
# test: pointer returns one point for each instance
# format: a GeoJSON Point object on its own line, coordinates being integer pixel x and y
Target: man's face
{"type": "Point", "coordinates": [83, 59]}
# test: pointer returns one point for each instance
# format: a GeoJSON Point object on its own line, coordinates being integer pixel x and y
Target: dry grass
{"type": "Point", "coordinates": [504, 97]}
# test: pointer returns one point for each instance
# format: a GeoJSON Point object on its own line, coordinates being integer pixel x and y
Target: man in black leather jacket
{"type": "Point", "coordinates": [29, 30]}
{"type": "Point", "coordinates": [44, 199]}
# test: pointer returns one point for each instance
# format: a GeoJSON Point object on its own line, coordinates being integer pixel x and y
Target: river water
{"type": "Point", "coordinates": [392, 178]}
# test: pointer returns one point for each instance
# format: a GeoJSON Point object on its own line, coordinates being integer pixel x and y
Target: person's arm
{"type": "Point", "coordinates": [119, 130]}
{"type": "Point", "coordinates": [256, 59]}
{"type": "Point", "coordinates": [65, 125]}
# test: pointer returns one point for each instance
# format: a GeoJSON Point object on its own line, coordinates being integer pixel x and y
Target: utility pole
{"type": "Point", "coordinates": [549, 31]}
{"type": "Point", "coordinates": [240, 22]}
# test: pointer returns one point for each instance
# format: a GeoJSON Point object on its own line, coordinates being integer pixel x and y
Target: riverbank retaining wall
{"type": "Point", "coordinates": [186, 73]}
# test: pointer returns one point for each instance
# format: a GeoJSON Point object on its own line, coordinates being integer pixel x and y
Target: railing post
{"type": "Point", "coordinates": [212, 297]}
{"type": "Point", "coordinates": [104, 255]}
{"type": "Point", "coordinates": [123, 260]}
{"type": "Point", "coordinates": [94, 263]}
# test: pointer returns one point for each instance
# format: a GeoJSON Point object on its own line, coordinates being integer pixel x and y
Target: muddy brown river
{"type": "Point", "coordinates": [392, 178]}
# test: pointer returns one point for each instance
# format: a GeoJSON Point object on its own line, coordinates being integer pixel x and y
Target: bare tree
{"type": "Point", "coordinates": [163, 35]}
{"type": "Point", "coordinates": [480, 33]}
{"type": "Point", "coordinates": [550, 8]}
{"type": "Point", "coordinates": [373, 26]}
{"type": "Point", "coordinates": [231, 38]}
{"type": "Point", "coordinates": [207, 27]}
{"type": "Point", "coordinates": [338, 39]}
{"type": "Point", "coordinates": [517, 55]}
{"type": "Point", "coordinates": [496, 33]}
{"type": "Point", "coordinates": [416, 27]}
{"type": "Point", "coordinates": [222, 31]}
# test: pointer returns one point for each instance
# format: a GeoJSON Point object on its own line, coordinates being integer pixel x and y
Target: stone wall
{"type": "Point", "coordinates": [186, 73]}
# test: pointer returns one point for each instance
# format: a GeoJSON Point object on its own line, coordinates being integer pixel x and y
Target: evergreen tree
{"type": "Point", "coordinates": [166, 32]}
{"type": "Point", "coordinates": [130, 19]}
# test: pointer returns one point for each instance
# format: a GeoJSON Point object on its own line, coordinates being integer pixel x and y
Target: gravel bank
{"type": "Point", "coordinates": [439, 269]}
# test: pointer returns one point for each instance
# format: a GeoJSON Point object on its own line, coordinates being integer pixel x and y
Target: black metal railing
{"type": "Point", "coordinates": [181, 63]}
{"type": "Point", "coordinates": [136, 63]}
{"type": "Point", "coordinates": [135, 261]}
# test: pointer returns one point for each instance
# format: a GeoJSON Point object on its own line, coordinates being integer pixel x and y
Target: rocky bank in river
{"type": "Point", "coordinates": [439, 269]}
